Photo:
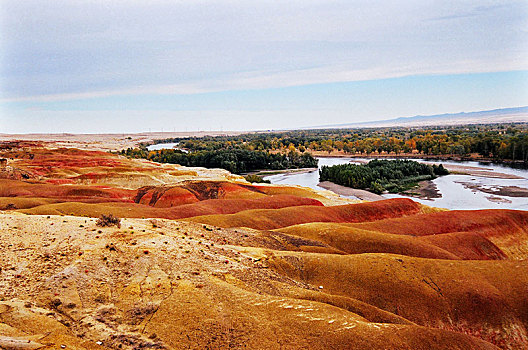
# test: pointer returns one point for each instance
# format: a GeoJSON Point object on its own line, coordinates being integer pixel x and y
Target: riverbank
{"type": "Point", "coordinates": [425, 190]}
{"type": "Point", "coordinates": [283, 171]}
{"type": "Point", "coordinates": [479, 171]}
{"type": "Point", "coordinates": [342, 154]}
{"type": "Point", "coordinates": [439, 157]}
{"type": "Point", "coordinates": [348, 191]}
{"type": "Point", "coordinates": [466, 170]}
{"type": "Point", "coordinates": [508, 191]}
{"type": "Point", "coordinates": [444, 191]}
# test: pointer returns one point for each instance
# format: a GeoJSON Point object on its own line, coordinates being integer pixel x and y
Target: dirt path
{"type": "Point", "coordinates": [270, 172]}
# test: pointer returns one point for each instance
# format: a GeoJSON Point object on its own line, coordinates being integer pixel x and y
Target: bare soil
{"type": "Point", "coordinates": [107, 142]}
{"type": "Point", "coordinates": [425, 190]}
{"type": "Point", "coordinates": [508, 191]}
{"type": "Point", "coordinates": [347, 191]}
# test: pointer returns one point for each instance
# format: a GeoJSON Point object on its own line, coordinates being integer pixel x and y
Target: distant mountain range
{"type": "Point", "coordinates": [503, 115]}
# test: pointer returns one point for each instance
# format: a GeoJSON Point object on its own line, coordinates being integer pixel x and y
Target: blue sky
{"type": "Point", "coordinates": [131, 66]}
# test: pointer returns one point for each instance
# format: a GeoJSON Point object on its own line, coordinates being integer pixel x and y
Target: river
{"type": "Point", "coordinates": [160, 146]}
{"type": "Point", "coordinates": [457, 191]}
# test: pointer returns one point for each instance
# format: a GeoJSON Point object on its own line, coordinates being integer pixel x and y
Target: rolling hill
{"type": "Point", "coordinates": [202, 259]}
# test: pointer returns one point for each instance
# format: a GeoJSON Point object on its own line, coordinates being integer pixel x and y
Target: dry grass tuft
{"type": "Point", "coordinates": [108, 220]}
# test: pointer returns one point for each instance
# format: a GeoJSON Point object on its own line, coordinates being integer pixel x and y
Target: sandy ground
{"type": "Point", "coordinates": [107, 142]}
{"type": "Point", "coordinates": [425, 190]}
{"type": "Point", "coordinates": [69, 277]}
{"type": "Point", "coordinates": [478, 171]}
{"type": "Point", "coordinates": [67, 283]}
{"type": "Point", "coordinates": [347, 191]}
{"type": "Point", "coordinates": [285, 171]}
{"type": "Point", "coordinates": [508, 191]}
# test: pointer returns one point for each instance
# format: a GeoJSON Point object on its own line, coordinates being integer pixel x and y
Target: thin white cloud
{"type": "Point", "coordinates": [269, 80]}
{"type": "Point", "coordinates": [75, 50]}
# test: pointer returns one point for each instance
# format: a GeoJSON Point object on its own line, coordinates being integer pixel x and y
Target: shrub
{"type": "Point", "coordinates": [440, 170]}
{"type": "Point", "coordinates": [256, 179]}
{"type": "Point", "coordinates": [376, 187]}
{"type": "Point", "coordinates": [108, 220]}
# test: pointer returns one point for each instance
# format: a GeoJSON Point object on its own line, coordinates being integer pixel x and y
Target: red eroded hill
{"type": "Point", "coordinates": [191, 198]}
{"type": "Point", "coordinates": [14, 188]}
{"type": "Point", "coordinates": [489, 222]}
{"type": "Point", "coordinates": [206, 207]}
{"type": "Point", "coordinates": [356, 241]}
{"type": "Point", "coordinates": [352, 240]}
{"type": "Point", "coordinates": [477, 231]}
{"type": "Point", "coordinates": [42, 162]}
{"type": "Point", "coordinates": [273, 219]}
{"type": "Point", "coordinates": [231, 264]}
{"type": "Point", "coordinates": [165, 197]}
{"type": "Point", "coordinates": [191, 191]}
{"type": "Point", "coordinates": [60, 166]}
{"type": "Point", "coordinates": [194, 191]}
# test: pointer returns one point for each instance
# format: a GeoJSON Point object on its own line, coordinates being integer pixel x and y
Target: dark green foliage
{"type": "Point", "coordinates": [440, 170]}
{"type": "Point", "coordinates": [256, 179]}
{"type": "Point", "coordinates": [235, 160]}
{"type": "Point", "coordinates": [380, 175]}
{"type": "Point", "coordinates": [141, 152]}
{"type": "Point", "coordinates": [376, 187]}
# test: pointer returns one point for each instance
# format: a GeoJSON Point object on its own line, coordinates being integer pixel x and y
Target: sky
{"type": "Point", "coordinates": [93, 66]}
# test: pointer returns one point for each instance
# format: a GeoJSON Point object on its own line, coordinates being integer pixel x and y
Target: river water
{"type": "Point", "coordinates": [457, 191]}
{"type": "Point", "coordinates": [160, 146]}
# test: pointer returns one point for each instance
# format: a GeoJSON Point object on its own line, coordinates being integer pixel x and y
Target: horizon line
{"type": "Point", "coordinates": [327, 126]}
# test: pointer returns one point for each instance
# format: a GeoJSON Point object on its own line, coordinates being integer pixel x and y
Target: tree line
{"type": "Point", "coordinates": [494, 141]}
{"type": "Point", "coordinates": [235, 160]}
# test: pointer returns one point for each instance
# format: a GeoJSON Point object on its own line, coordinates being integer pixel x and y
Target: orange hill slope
{"type": "Point", "coordinates": [206, 207]}
{"type": "Point", "coordinates": [227, 264]}
{"type": "Point", "coordinates": [272, 219]}
{"type": "Point", "coordinates": [14, 188]}
{"type": "Point", "coordinates": [177, 285]}
{"type": "Point", "coordinates": [353, 240]}
{"type": "Point", "coordinates": [483, 298]}
{"type": "Point", "coordinates": [507, 229]}
{"type": "Point", "coordinates": [356, 241]}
